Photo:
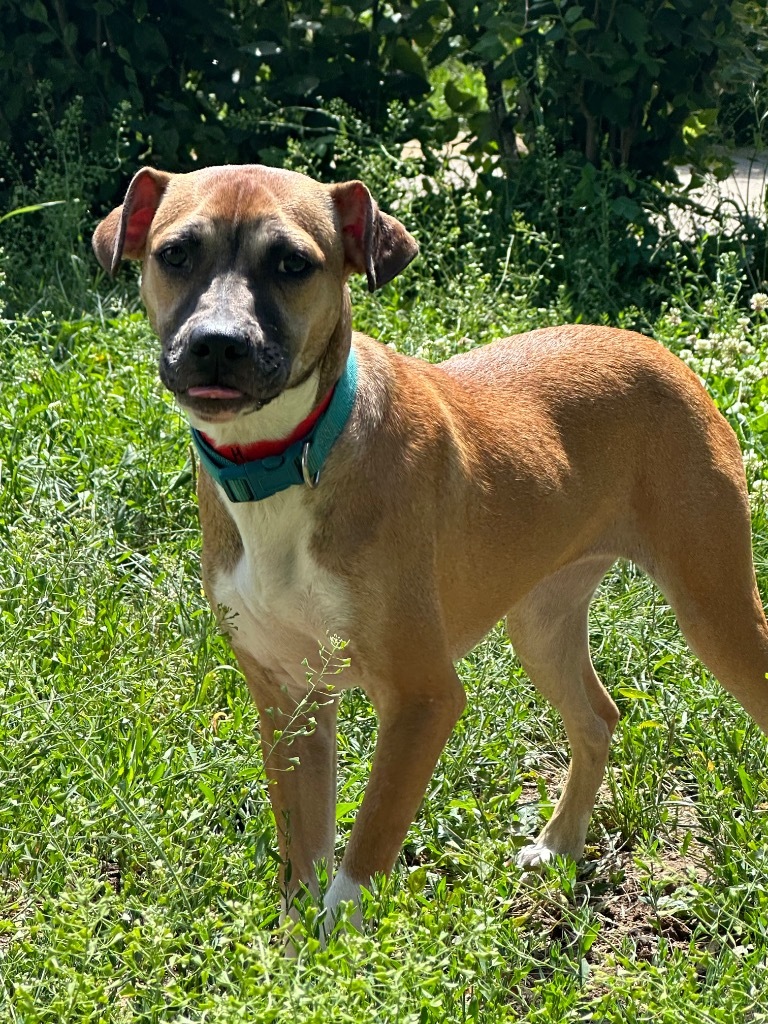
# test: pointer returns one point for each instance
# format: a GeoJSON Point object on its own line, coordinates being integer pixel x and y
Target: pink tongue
{"type": "Point", "coordinates": [214, 392]}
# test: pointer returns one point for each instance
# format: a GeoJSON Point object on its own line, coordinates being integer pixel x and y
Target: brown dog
{"type": "Point", "coordinates": [423, 503]}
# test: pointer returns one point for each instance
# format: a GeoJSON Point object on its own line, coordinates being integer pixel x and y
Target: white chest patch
{"type": "Point", "coordinates": [281, 606]}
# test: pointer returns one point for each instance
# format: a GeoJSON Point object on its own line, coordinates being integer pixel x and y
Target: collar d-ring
{"type": "Point", "coordinates": [310, 479]}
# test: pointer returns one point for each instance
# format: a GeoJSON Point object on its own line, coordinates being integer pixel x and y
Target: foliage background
{"type": "Point", "coordinates": [571, 116]}
{"type": "Point", "coordinates": [633, 82]}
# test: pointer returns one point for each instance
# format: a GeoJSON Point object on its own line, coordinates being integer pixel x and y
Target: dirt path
{"type": "Point", "coordinates": [744, 189]}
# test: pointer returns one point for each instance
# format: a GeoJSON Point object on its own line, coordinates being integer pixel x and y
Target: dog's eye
{"type": "Point", "coordinates": [294, 264]}
{"type": "Point", "coordinates": [174, 256]}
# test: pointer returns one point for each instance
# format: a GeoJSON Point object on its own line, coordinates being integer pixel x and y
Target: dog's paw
{"type": "Point", "coordinates": [535, 856]}
{"type": "Point", "coordinates": [343, 890]}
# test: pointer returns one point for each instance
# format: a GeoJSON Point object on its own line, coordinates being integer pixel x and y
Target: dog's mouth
{"type": "Point", "coordinates": [215, 392]}
{"type": "Point", "coordinates": [215, 403]}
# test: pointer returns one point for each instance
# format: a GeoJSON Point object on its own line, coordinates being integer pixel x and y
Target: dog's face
{"type": "Point", "coordinates": [244, 275]}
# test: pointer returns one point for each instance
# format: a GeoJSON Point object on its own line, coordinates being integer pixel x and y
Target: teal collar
{"type": "Point", "coordinates": [300, 463]}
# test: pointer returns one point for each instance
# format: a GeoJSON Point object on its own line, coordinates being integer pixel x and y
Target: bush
{"type": "Point", "coordinates": [49, 264]}
{"type": "Point", "coordinates": [606, 99]}
{"type": "Point", "coordinates": [232, 81]}
{"type": "Point", "coordinates": [202, 83]}
{"type": "Point", "coordinates": [630, 83]}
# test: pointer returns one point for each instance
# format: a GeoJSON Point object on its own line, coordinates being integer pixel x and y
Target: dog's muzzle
{"type": "Point", "coordinates": [221, 368]}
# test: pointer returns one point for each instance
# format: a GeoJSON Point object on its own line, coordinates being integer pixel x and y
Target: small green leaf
{"type": "Point", "coordinates": [747, 782]}
{"type": "Point", "coordinates": [31, 209]}
{"type": "Point", "coordinates": [207, 792]}
{"type": "Point", "coordinates": [489, 47]}
{"type": "Point", "coordinates": [626, 207]}
{"type": "Point", "coordinates": [417, 879]}
{"type": "Point", "coordinates": [35, 10]}
{"type": "Point", "coordinates": [632, 24]}
{"type": "Point", "coordinates": [632, 693]}
{"type": "Point", "coordinates": [458, 100]}
{"type": "Point", "coordinates": [406, 59]}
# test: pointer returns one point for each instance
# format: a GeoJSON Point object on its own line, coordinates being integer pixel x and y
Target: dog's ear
{"type": "Point", "coordinates": [375, 244]}
{"type": "Point", "coordinates": [123, 233]}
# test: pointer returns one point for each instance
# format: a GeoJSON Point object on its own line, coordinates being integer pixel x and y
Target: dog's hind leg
{"type": "Point", "coordinates": [704, 568]}
{"type": "Point", "coordinates": [549, 632]}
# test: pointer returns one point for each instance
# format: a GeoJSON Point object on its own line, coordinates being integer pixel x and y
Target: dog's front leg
{"type": "Point", "coordinates": [415, 721]}
{"type": "Point", "coordinates": [298, 737]}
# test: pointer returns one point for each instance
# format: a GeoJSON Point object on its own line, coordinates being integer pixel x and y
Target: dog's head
{"type": "Point", "coordinates": [244, 275]}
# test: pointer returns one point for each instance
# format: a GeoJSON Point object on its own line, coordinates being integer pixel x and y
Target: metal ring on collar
{"type": "Point", "coordinates": [310, 480]}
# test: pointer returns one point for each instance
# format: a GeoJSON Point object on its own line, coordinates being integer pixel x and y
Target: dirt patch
{"type": "Point", "coordinates": [632, 903]}
{"type": "Point", "coordinates": [627, 902]}
{"type": "Point", "coordinates": [630, 915]}
{"type": "Point", "coordinates": [742, 193]}
{"type": "Point", "coordinates": [745, 186]}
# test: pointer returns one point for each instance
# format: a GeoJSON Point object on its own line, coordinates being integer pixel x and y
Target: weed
{"type": "Point", "coordinates": [49, 260]}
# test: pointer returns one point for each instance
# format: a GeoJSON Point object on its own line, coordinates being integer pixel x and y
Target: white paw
{"type": "Point", "coordinates": [535, 856]}
{"type": "Point", "coordinates": [343, 890]}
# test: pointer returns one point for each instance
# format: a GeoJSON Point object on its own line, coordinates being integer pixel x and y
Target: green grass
{"type": "Point", "coordinates": [138, 873]}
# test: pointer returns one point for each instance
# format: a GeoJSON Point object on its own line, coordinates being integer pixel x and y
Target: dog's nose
{"type": "Point", "coordinates": [216, 347]}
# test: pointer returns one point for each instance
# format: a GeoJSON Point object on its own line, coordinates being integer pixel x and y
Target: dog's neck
{"type": "Point", "coordinates": [278, 419]}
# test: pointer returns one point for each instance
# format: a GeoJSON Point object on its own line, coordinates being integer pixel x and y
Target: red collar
{"type": "Point", "coordinates": [242, 453]}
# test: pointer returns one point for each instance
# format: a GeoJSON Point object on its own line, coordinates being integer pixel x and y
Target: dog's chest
{"type": "Point", "coordinates": [278, 603]}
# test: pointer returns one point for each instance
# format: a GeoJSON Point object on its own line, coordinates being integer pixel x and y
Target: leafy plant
{"type": "Point", "coordinates": [232, 81]}
{"type": "Point", "coordinates": [49, 257]}
{"type": "Point", "coordinates": [632, 84]}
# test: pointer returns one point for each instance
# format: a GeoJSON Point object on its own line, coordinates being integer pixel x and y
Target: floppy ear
{"type": "Point", "coordinates": [123, 232]}
{"type": "Point", "coordinates": [375, 244]}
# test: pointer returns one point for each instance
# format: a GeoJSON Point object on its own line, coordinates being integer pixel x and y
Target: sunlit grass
{"type": "Point", "coordinates": [138, 874]}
